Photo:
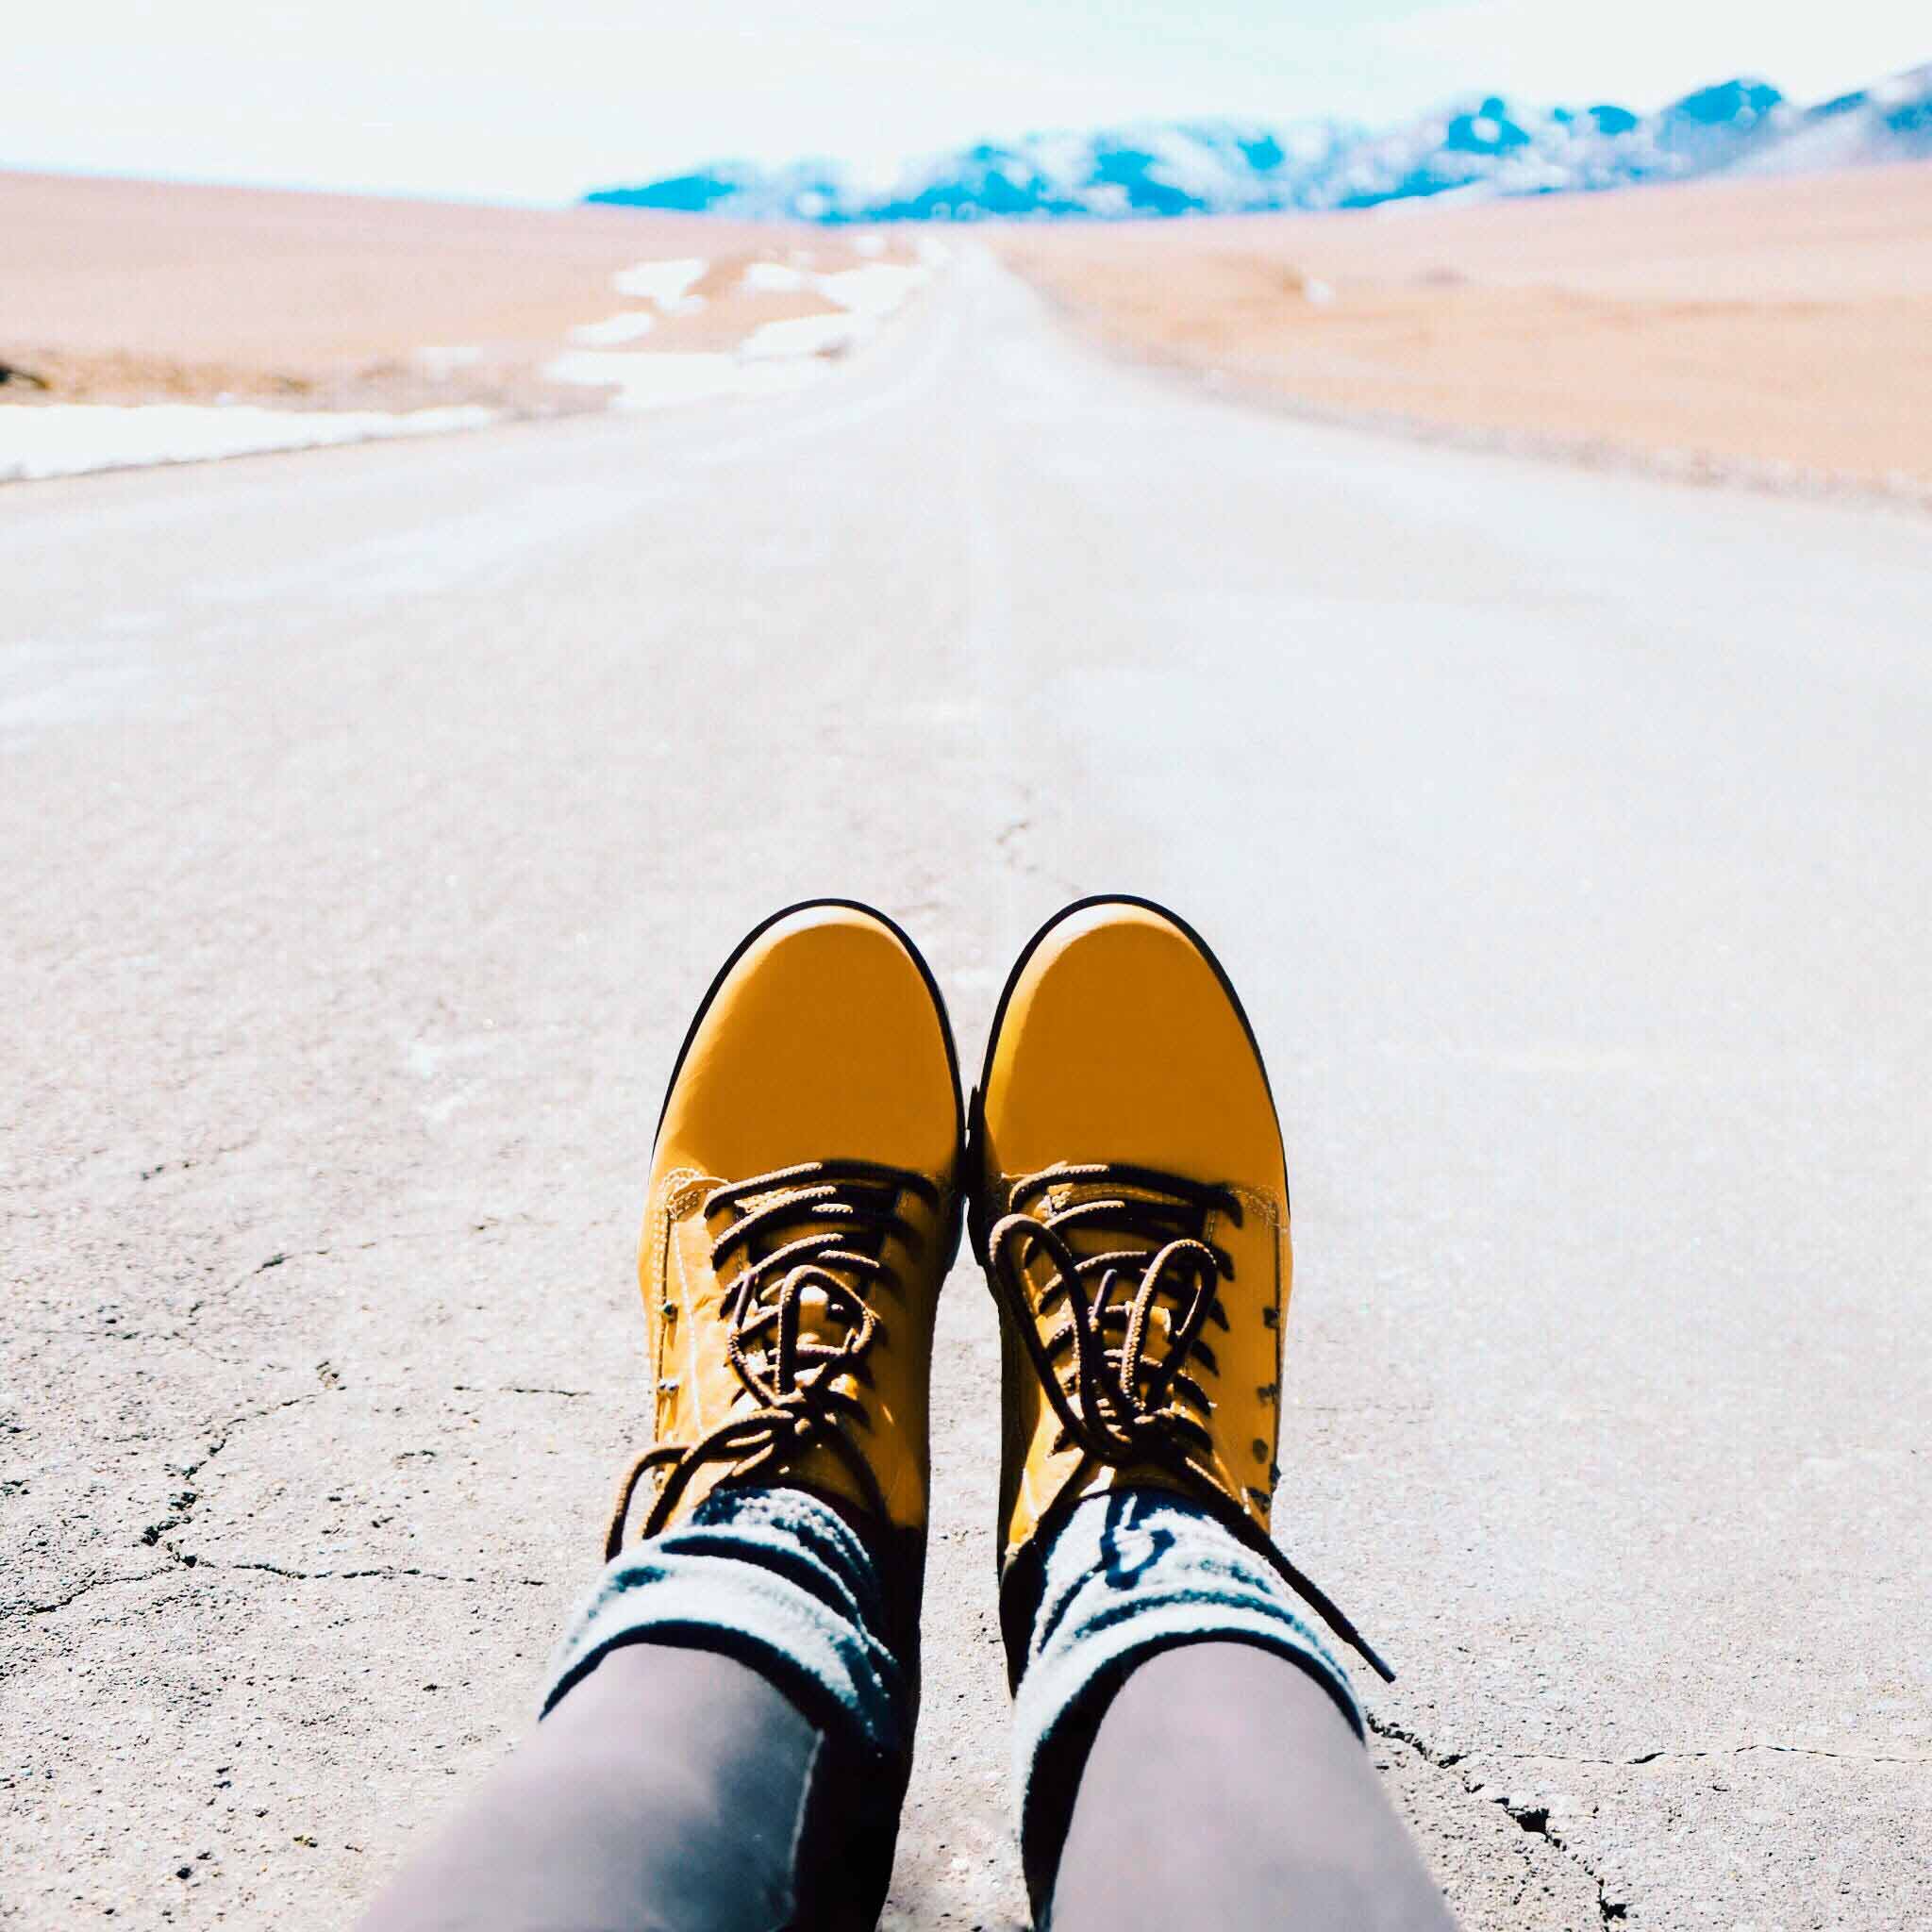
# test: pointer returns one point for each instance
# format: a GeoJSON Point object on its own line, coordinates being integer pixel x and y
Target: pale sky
{"type": "Point", "coordinates": [536, 101]}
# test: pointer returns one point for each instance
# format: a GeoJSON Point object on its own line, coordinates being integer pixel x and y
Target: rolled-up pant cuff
{"type": "Point", "coordinates": [778, 1580]}
{"type": "Point", "coordinates": [1127, 1574]}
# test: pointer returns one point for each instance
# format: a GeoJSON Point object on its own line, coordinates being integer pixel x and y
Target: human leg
{"type": "Point", "coordinates": [1190, 1747]}
{"type": "Point", "coordinates": [1131, 1210]}
{"type": "Point", "coordinates": [728, 1718]}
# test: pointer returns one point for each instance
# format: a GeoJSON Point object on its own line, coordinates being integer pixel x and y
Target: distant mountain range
{"type": "Point", "coordinates": [1478, 146]}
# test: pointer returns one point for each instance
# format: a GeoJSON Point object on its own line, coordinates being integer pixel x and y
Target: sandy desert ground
{"type": "Point", "coordinates": [1774, 329]}
{"type": "Point", "coordinates": [135, 292]}
{"type": "Point", "coordinates": [1752, 326]}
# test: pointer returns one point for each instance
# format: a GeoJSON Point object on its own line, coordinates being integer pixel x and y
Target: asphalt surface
{"type": "Point", "coordinates": [372, 819]}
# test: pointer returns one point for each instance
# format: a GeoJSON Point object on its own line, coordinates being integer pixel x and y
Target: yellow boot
{"type": "Point", "coordinates": [1130, 1209]}
{"type": "Point", "coordinates": [803, 1209]}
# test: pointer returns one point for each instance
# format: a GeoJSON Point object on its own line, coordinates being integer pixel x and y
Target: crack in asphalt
{"type": "Point", "coordinates": [517, 1389]}
{"type": "Point", "coordinates": [74, 1596]}
{"type": "Point", "coordinates": [1689, 1754]}
{"type": "Point", "coordinates": [1534, 1819]}
{"type": "Point", "coordinates": [282, 1256]}
{"type": "Point", "coordinates": [184, 1501]}
{"type": "Point", "coordinates": [188, 1497]}
{"type": "Point", "coordinates": [183, 1504]}
{"type": "Point", "coordinates": [391, 1572]}
{"type": "Point", "coordinates": [189, 1560]}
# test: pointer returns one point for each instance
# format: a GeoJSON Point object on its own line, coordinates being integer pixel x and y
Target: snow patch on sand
{"type": "Point", "coordinates": [773, 278]}
{"type": "Point", "coordinates": [875, 289]}
{"type": "Point", "coordinates": [69, 438]}
{"type": "Point", "coordinates": [627, 328]}
{"type": "Point", "coordinates": [666, 283]}
{"type": "Point", "coordinates": [776, 356]}
{"type": "Point", "coordinates": [867, 294]}
{"type": "Point", "coordinates": [803, 335]}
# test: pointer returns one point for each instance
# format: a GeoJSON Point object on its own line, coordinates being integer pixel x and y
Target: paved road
{"type": "Point", "coordinates": [372, 817]}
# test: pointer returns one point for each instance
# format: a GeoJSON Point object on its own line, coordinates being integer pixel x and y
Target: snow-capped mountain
{"type": "Point", "coordinates": [1480, 146]}
{"type": "Point", "coordinates": [1891, 121]}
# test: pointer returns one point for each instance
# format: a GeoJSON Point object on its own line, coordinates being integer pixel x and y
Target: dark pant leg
{"type": "Point", "coordinates": [1225, 1789]}
{"type": "Point", "coordinates": [671, 1789]}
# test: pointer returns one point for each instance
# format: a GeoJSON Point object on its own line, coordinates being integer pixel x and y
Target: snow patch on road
{"type": "Point", "coordinates": [70, 439]}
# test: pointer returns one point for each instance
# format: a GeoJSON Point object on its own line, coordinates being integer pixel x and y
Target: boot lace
{"type": "Point", "coordinates": [1115, 1334]}
{"type": "Point", "coordinates": [814, 1232]}
{"type": "Point", "coordinates": [1111, 1333]}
